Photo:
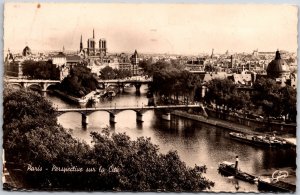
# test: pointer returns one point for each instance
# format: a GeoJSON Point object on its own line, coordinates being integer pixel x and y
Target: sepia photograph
{"type": "Point", "coordinates": [149, 97]}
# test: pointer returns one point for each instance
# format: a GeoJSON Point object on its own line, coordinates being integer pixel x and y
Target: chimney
{"type": "Point", "coordinates": [236, 162]}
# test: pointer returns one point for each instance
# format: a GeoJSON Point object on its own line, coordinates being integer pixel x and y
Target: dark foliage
{"type": "Point", "coordinates": [172, 82]}
{"type": "Point", "coordinates": [40, 70]}
{"type": "Point", "coordinates": [79, 82]}
{"type": "Point", "coordinates": [110, 73]}
{"type": "Point", "coordinates": [113, 163]}
{"type": "Point", "coordinates": [274, 99]}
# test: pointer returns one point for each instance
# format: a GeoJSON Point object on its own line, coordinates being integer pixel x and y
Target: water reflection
{"type": "Point", "coordinates": [195, 142]}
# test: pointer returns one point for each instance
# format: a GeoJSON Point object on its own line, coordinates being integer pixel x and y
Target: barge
{"type": "Point", "coordinates": [229, 169]}
{"type": "Point", "coordinates": [279, 182]}
{"type": "Point", "coordinates": [259, 140]}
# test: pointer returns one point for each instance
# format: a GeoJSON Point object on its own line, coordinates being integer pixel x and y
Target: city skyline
{"type": "Point", "coordinates": [152, 28]}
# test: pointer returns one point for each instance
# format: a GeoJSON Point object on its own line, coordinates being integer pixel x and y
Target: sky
{"type": "Point", "coordinates": [152, 28]}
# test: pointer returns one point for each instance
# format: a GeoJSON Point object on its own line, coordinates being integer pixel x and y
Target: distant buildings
{"type": "Point", "coordinates": [240, 66]}
{"type": "Point", "coordinates": [59, 59]}
{"type": "Point", "coordinates": [65, 63]}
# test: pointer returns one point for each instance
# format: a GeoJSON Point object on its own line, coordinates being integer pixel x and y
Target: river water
{"type": "Point", "coordinates": [196, 143]}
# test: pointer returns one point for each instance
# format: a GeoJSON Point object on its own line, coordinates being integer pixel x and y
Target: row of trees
{"type": "Point", "coordinates": [110, 73]}
{"type": "Point", "coordinates": [266, 95]}
{"type": "Point", "coordinates": [40, 70]}
{"type": "Point", "coordinates": [33, 137]}
{"type": "Point", "coordinates": [172, 82]}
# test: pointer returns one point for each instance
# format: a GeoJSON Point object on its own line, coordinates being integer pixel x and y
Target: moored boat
{"type": "Point", "coordinates": [259, 140]}
{"type": "Point", "coordinates": [228, 169]}
{"type": "Point", "coordinates": [279, 182]}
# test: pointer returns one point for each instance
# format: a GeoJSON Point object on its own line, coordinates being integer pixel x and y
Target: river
{"type": "Point", "coordinates": [196, 143]}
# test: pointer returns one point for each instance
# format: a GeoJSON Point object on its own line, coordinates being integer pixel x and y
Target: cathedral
{"type": "Point", "coordinates": [92, 50]}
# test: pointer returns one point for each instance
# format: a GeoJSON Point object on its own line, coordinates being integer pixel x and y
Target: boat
{"type": "Point", "coordinates": [228, 169]}
{"type": "Point", "coordinates": [279, 182]}
{"type": "Point", "coordinates": [111, 93]}
{"type": "Point", "coordinates": [259, 140]}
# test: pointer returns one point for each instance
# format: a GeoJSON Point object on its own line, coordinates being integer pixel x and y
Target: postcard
{"type": "Point", "coordinates": [149, 97]}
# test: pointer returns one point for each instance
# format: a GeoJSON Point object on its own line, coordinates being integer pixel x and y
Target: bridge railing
{"type": "Point", "coordinates": [112, 107]}
{"type": "Point", "coordinates": [31, 80]}
{"type": "Point", "coordinates": [127, 80]}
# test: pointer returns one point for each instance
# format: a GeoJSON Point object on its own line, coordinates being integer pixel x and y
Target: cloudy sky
{"type": "Point", "coordinates": [151, 28]}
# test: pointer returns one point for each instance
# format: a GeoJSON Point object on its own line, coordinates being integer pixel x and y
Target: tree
{"type": "Point", "coordinates": [146, 65]}
{"type": "Point", "coordinates": [40, 70]}
{"type": "Point", "coordinates": [267, 94]}
{"type": "Point", "coordinates": [107, 73]}
{"type": "Point", "coordinates": [90, 103]}
{"type": "Point", "coordinates": [32, 137]}
{"type": "Point", "coordinates": [143, 168]}
{"type": "Point", "coordinates": [171, 82]}
{"type": "Point", "coordinates": [289, 103]}
{"type": "Point", "coordinates": [79, 82]}
{"type": "Point", "coordinates": [220, 91]}
{"type": "Point", "coordinates": [121, 74]}
{"type": "Point", "coordinates": [24, 111]}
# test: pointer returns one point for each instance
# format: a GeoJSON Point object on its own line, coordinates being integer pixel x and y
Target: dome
{"type": "Point", "coordinates": [26, 51]}
{"type": "Point", "coordinates": [277, 67]}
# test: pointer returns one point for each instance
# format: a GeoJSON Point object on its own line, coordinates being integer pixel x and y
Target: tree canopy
{"type": "Point", "coordinates": [171, 82]}
{"type": "Point", "coordinates": [113, 162]}
{"type": "Point", "coordinates": [79, 82]}
{"type": "Point", "coordinates": [110, 73]}
{"type": "Point", "coordinates": [40, 70]}
{"type": "Point", "coordinates": [274, 99]}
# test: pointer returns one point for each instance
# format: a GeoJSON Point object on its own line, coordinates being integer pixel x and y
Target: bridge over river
{"type": "Point", "coordinates": [44, 84]}
{"type": "Point", "coordinates": [166, 109]}
{"type": "Point", "coordinates": [26, 83]}
{"type": "Point", "coordinates": [137, 82]}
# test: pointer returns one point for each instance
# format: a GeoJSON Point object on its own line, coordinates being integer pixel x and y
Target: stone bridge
{"type": "Point", "coordinates": [26, 83]}
{"type": "Point", "coordinates": [122, 82]}
{"type": "Point", "coordinates": [115, 110]}
{"type": "Point", "coordinates": [44, 84]}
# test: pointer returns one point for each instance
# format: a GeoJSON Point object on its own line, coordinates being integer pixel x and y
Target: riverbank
{"type": "Point", "coordinates": [213, 121]}
{"type": "Point", "coordinates": [226, 124]}
{"type": "Point", "coordinates": [80, 101]}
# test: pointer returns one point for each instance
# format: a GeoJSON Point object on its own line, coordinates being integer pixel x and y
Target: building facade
{"type": "Point", "coordinates": [92, 50]}
{"type": "Point", "coordinates": [135, 63]}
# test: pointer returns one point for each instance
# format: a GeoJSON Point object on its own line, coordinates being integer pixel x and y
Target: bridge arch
{"type": "Point", "coordinates": [50, 86]}
{"type": "Point", "coordinates": [34, 86]}
{"type": "Point", "coordinates": [64, 113]}
{"type": "Point", "coordinates": [98, 111]}
{"type": "Point", "coordinates": [15, 85]}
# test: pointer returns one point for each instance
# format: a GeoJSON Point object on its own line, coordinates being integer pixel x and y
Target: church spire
{"type": "Point", "coordinates": [81, 45]}
{"type": "Point", "coordinates": [93, 34]}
